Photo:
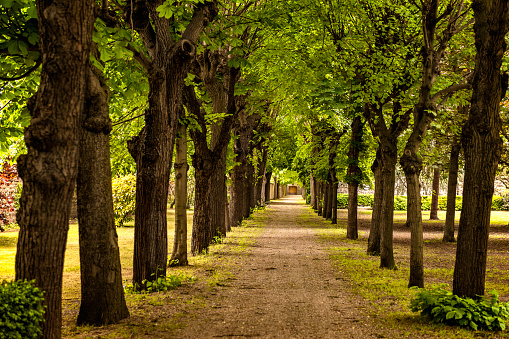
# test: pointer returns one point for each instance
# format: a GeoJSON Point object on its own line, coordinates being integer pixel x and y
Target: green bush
{"type": "Point", "coordinates": [400, 203]}
{"type": "Point", "coordinates": [124, 198]}
{"type": "Point", "coordinates": [442, 306]}
{"type": "Point", "coordinates": [21, 310]}
{"type": "Point", "coordinates": [342, 201]}
{"type": "Point", "coordinates": [365, 200]}
{"type": "Point", "coordinates": [497, 203]}
{"type": "Point", "coordinates": [308, 199]}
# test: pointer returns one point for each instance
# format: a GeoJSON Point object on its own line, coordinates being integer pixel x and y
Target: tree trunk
{"type": "Point", "coordinates": [317, 185]}
{"type": "Point", "coordinates": [268, 176]}
{"type": "Point", "coordinates": [167, 66]}
{"type": "Point", "coordinates": [351, 231]}
{"type": "Point", "coordinates": [452, 184]}
{"type": "Point", "coordinates": [312, 190]}
{"type": "Point", "coordinates": [320, 198]}
{"type": "Point", "coordinates": [218, 196]}
{"type": "Point", "coordinates": [179, 253]}
{"type": "Point", "coordinates": [335, 201]}
{"type": "Point", "coordinates": [376, 216]}
{"type": "Point", "coordinates": [200, 239]}
{"type": "Point", "coordinates": [326, 194]}
{"type": "Point", "coordinates": [414, 218]}
{"type": "Point", "coordinates": [433, 215]}
{"type": "Point", "coordinates": [482, 146]}
{"type": "Point", "coordinates": [50, 167]}
{"type": "Point", "coordinates": [250, 189]}
{"type": "Point", "coordinates": [260, 176]}
{"type": "Point", "coordinates": [237, 192]}
{"type": "Point", "coordinates": [330, 197]}
{"type": "Point", "coordinates": [152, 150]}
{"type": "Point", "coordinates": [102, 293]}
{"type": "Point", "coordinates": [389, 159]}
{"type": "Point", "coordinates": [354, 174]}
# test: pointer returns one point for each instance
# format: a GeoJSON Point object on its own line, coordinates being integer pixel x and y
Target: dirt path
{"type": "Point", "coordinates": [285, 288]}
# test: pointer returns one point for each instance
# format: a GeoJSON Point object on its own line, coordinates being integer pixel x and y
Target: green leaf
{"type": "Point", "coordinates": [32, 12]}
{"type": "Point", "coordinates": [450, 315]}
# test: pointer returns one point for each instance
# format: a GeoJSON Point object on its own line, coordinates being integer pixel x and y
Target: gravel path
{"type": "Point", "coordinates": [285, 288]}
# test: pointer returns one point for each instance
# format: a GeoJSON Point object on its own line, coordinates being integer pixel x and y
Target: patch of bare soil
{"type": "Point", "coordinates": [286, 289]}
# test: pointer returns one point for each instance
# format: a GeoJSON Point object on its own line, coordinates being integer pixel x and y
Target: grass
{"type": "Point", "coordinates": [386, 290]}
{"type": "Point", "coordinates": [150, 313]}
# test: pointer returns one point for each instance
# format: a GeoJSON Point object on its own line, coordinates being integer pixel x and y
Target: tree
{"type": "Point", "coordinates": [482, 145]}
{"type": "Point", "coordinates": [50, 167]}
{"type": "Point", "coordinates": [452, 184]}
{"type": "Point", "coordinates": [168, 61]}
{"type": "Point", "coordinates": [102, 293]}
{"type": "Point", "coordinates": [434, 46]}
{"type": "Point", "coordinates": [179, 255]}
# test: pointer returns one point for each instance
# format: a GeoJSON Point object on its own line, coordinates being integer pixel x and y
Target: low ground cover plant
{"type": "Point", "coordinates": [441, 306]}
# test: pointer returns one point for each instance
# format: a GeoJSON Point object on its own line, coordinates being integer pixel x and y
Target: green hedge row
{"type": "Point", "coordinates": [499, 203]}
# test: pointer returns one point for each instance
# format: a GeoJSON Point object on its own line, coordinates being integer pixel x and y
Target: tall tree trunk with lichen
{"type": "Point", "coordinates": [50, 167]}
{"type": "Point", "coordinates": [482, 146]}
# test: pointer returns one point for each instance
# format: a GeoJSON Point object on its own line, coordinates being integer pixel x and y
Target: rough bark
{"type": "Point", "coordinates": [312, 190]}
{"type": "Point", "coordinates": [152, 149]}
{"type": "Point", "coordinates": [434, 46]}
{"type": "Point", "coordinates": [433, 215]}
{"type": "Point", "coordinates": [414, 218]}
{"type": "Point", "coordinates": [316, 185]}
{"type": "Point", "coordinates": [388, 172]}
{"type": "Point", "coordinates": [179, 253]}
{"type": "Point", "coordinates": [205, 160]}
{"type": "Point", "coordinates": [268, 176]}
{"type": "Point", "coordinates": [50, 167]}
{"type": "Point", "coordinates": [260, 175]}
{"type": "Point", "coordinates": [376, 216]}
{"type": "Point", "coordinates": [482, 146]}
{"type": "Point", "coordinates": [320, 197]}
{"type": "Point", "coordinates": [354, 174]}
{"type": "Point", "coordinates": [102, 293]}
{"type": "Point", "coordinates": [452, 184]}
{"type": "Point", "coordinates": [326, 194]}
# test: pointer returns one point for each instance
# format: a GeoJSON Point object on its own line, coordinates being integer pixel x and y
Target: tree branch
{"type": "Point", "coordinates": [449, 90]}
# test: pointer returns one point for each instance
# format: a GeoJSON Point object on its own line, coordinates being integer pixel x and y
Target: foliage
{"type": "Point", "coordinates": [160, 283]}
{"type": "Point", "coordinates": [124, 198]}
{"type": "Point", "coordinates": [8, 174]}
{"type": "Point", "coordinates": [21, 309]}
{"type": "Point", "coordinates": [400, 202]}
{"type": "Point", "coordinates": [444, 307]}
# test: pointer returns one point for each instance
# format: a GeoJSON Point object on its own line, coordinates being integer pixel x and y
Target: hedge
{"type": "Point", "coordinates": [499, 203]}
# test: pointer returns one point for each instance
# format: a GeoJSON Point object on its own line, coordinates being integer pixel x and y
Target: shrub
{"type": "Point", "coordinates": [308, 199]}
{"type": "Point", "coordinates": [21, 309]}
{"type": "Point", "coordinates": [442, 306]}
{"type": "Point", "coordinates": [400, 203]}
{"type": "Point", "coordinates": [497, 203]}
{"type": "Point", "coordinates": [124, 198]}
{"type": "Point", "coordinates": [342, 201]}
{"type": "Point", "coordinates": [365, 200]}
